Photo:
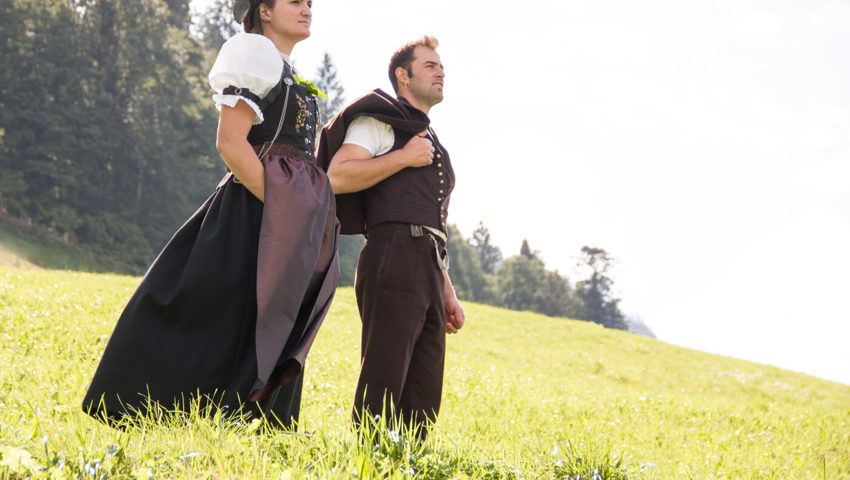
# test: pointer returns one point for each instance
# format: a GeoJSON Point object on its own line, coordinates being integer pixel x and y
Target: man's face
{"type": "Point", "coordinates": [426, 77]}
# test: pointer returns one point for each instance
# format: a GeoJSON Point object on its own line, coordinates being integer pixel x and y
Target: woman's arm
{"type": "Point", "coordinates": [234, 123]}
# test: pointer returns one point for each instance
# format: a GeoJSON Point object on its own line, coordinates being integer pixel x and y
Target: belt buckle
{"type": "Point", "coordinates": [442, 257]}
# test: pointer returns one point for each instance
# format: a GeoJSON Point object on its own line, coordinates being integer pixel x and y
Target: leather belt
{"type": "Point", "coordinates": [284, 150]}
{"type": "Point", "coordinates": [438, 238]}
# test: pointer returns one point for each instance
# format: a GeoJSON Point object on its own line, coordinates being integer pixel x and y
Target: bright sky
{"type": "Point", "coordinates": [705, 145]}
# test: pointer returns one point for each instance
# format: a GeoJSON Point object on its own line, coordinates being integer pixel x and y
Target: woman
{"type": "Point", "coordinates": [227, 312]}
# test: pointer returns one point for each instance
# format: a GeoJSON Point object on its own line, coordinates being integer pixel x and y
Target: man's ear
{"type": "Point", "coordinates": [401, 76]}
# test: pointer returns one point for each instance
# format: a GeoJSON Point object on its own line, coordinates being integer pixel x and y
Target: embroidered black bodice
{"type": "Point", "coordinates": [300, 122]}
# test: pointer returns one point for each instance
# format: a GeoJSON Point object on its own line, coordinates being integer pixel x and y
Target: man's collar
{"type": "Point", "coordinates": [406, 102]}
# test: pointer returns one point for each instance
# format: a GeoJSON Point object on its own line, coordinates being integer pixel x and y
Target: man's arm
{"type": "Point", "coordinates": [454, 311]}
{"type": "Point", "coordinates": [353, 168]}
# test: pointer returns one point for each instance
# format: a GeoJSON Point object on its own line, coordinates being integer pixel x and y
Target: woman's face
{"type": "Point", "coordinates": [291, 19]}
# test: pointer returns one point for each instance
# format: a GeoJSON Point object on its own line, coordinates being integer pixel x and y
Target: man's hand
{"type": "Point", "coordinates": [454, 315]}
{"type": "Point", "coordinates": [353, 168]}
{"type": "Point", "coordinates": [419, 150]}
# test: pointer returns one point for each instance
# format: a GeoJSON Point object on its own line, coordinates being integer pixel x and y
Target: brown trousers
{"type": "Point", "coordinates": [399, 290]}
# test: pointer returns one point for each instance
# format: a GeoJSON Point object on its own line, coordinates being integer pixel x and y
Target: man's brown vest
{"type": "Point", "coordinates": [413, 195]}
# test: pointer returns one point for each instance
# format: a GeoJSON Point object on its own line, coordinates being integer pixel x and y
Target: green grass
{"type": "Point", "coordinates": [526, 396]}
{"type": "Point", "coordinates": [32, 247]}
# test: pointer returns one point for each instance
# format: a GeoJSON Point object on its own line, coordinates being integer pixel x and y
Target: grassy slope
{"type": "Point", "coordinates": [29, 247]}
{"type": "Point", "coordinates": [526, 396]}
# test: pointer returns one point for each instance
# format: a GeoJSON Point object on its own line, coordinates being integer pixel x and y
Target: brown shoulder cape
{"type": "Point", "coordinates": [397, 113]}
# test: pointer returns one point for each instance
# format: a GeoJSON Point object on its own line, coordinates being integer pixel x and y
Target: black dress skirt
{"type": "Point", "coordinates": [226, 313]}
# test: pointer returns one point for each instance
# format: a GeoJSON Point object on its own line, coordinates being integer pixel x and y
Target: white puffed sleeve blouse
{"type": "Point", "coordinates": [248, 61]}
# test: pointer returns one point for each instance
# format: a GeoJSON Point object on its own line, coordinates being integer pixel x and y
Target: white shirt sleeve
{"type": "Point", "coordinates": [373, 135]}
{"type": "Point", "coordinates": [247, 61]}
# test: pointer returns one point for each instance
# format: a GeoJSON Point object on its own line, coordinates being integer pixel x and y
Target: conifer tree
{"type": "Point", "coordinates": [489, 255]}
{"type": "Point", "coordinates": [327, 81]}
{"type": "Point", "coordinates": [600, 304]}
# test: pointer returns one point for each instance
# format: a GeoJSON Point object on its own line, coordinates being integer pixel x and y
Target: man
{"type": "Point", "coordinates": [393, 179]}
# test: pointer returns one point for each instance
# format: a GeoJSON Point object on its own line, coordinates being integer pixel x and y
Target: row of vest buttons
{"type": "Point", "coordinates": [440, 197]}
{"type": "Point", "coordinates": [440, 173]}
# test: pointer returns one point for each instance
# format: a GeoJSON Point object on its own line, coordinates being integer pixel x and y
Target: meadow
{"type": "Point", "coordinates": [526, 397]}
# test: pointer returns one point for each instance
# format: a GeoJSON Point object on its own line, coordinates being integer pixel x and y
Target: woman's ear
{"type": "Point", "coordinates": [265, 13]}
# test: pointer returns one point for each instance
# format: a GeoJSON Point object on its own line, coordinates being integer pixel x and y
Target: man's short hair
{"type": "Point", "coordinates": [403, 57]}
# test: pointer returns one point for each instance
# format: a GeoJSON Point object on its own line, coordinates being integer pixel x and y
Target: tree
{"type": "Point", "coordinates": [519, 281]}
{"type": "Point", "coordinates": [469, 279]}
{"type": "Point", "coordinates": [489, 255]}
{"type": "Point", "coordinates": [327, 81]}
{"type": "Point", "coordinates": [600, 305]}
{"type": "Point", "coordinates": [107, 137]}
{"type": "Point", "coordinates": [524, 284]}
{"type": "Point", "coordinates": [526, 251]}
{"type": "Point", "coordinates": [215, 25]}
{"type": "Point", "coordinates": [12, 79]}
{"type": "Point", "coordinates": [40, 119]}
{"type": "Point", "coordinates": [558, 298]}
{"type": "Point", "coordinates": [178, 12]}
{"type": "Point", "coordinates": [154, 109]}
{"type": "Point", "coordinates": [349, 253]}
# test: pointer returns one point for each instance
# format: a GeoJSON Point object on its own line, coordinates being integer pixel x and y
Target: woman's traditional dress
{"type": "Point", "coordinates": [227, 312]}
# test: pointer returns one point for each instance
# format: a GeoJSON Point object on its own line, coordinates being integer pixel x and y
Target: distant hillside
{"type": "Point", "coordinates": [30, 246]}
{"type": "Point", "coordinates": [526, 396]}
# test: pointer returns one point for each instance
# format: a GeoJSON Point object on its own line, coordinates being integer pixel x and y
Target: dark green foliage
{"type": "Point", "coordinates": [520, 282]}
{"type": "Point", "coordinates": [106, 129]}
{"type": "Point", "coordinates": [12, 183]}
{"type": "Point", "coordinates": [470, 280]}
{"type": "Point", "coordinates": [178, 12]}
{"type": "Point", "coordinates": [558, 298]}
{"type": "Point", "coordinates": [523, 283]}
{"type": "Point", "coordinates": [349, 253]}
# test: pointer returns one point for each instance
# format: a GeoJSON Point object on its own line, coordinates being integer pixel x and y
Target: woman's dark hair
{"type": "Point", "coordinates": [253, 23]}
{"type": "Point", "coordinates": [403, 57]}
